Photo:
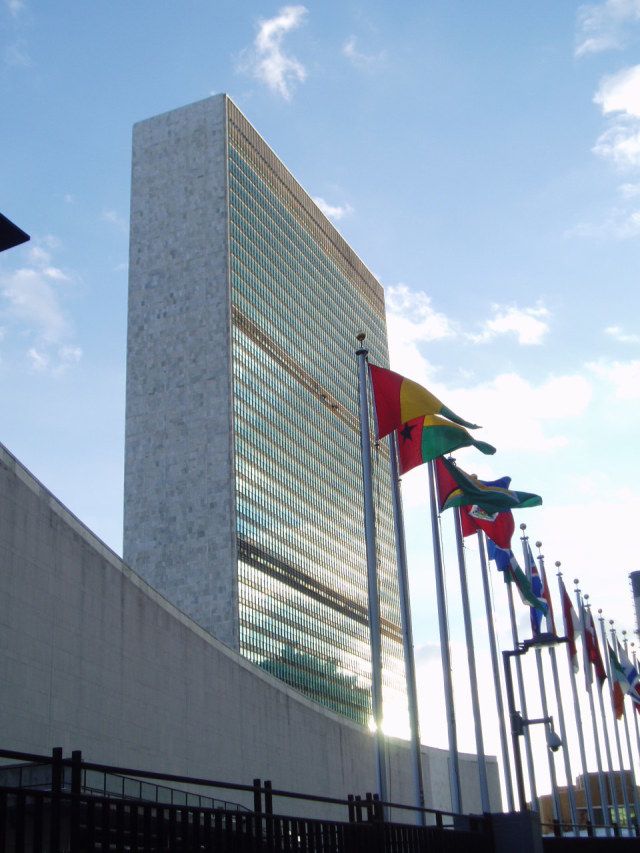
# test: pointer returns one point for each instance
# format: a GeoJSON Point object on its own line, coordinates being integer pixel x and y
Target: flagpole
{"type": "Point", "coordinates": [613, 797]}
{"type": "Point", "coordinates": [556, 684]}
{"type": "Point", "coordinates": [635, 713]}
{"type": "Point", "coordinates": [578, 718]}
{"type": "Point", "coordinates": [372, 575]}
{"type": "Point", "coordinates": [445, 653]}
{"type": "Point", "coordinates": [606, 816]}
{"type": "Point", "coordinates": [471, 659]}
{"type": "Point", "coordinates": [612, 784]}
{"type": "Point", "coordinates": [407, 631]}
{"type": "Point", "coordinates": [636, 800]}
{"type": "Point", "coordinates": [523, 701]}
{"type": "Point", "coordinates": [543, 696]}
{"type": "Point", "coordinates": [508, 781]}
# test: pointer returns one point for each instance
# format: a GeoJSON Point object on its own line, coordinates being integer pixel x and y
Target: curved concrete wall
{"type": "Point", "coordinates": [95, 659]}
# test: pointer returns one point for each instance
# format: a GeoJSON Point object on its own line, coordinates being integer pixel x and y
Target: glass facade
{"type": "Point", "coordinates": [299, 297]}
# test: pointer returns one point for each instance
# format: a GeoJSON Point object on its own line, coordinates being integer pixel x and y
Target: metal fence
{"type": "Point", "coordinates": [60, 818]}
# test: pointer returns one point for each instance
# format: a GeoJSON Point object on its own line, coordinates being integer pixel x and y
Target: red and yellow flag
{"type": "Point", "coordinates": [399, 400]}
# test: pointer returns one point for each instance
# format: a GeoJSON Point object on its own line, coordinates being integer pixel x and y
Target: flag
{"type": "Point", "coordinates": [506, 562]}
{"type": "Point", "coordinates": [546, 594]}
{"type": "Point", "coordinates": [533, 576]}
{"type": "Point", "coordinates": [571, 625]}
{"type": "Point", "coordinates": [632, 678]}
{"type": "Point", "coordinates": [619, 684]}
{"type": "Point", "coordinates": [498, 526]}
{"type": "Point", "coordinates": [492, 499]}
{"type": "Point", "coordinates": [426, 438]}
{"type": "Point", "coordinates": [398, 400]}
{"type": "Point", "coordinates": [593, 649]}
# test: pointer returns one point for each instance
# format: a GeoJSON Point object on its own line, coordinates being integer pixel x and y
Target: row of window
{"type": "Point", "coordinates": [298, 476]}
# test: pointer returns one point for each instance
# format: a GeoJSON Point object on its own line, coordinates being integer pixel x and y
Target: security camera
{"type": "Point", "coordinates": [554, 742]}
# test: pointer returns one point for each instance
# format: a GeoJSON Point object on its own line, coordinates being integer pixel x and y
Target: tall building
{"type": "Point", "coordinates": [243, 485]}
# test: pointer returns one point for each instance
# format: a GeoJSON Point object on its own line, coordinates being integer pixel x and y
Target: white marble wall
{"type": "Point", "coordinates": [94, 659]}
{"type": "Point", "coordinates": [179, 523]}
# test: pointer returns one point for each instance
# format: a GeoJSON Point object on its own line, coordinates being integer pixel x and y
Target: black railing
{"type": "Point", "coordinates": [65, 817]}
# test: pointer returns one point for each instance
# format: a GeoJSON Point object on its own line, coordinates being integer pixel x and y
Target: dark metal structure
{"type": "Point", "coordinates": [60, 816]}
{"type": "Point", "coordinates": [10, 234]}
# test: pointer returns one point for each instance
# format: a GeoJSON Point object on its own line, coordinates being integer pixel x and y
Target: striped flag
{"type": "Point", "coordinates": [535, 580]}
{"type": "Point", "coordinates": [506, 562]}
{"type": "Point", "coordinates": [632, 678]}
{"type": "Point", "coordinates": [619, 684]}
{"type": "Point", "coordinates": [571, 625]}
{"type": "Point", "coordinates": [546, 594]}
{"type": "Point", "coordinates": [593, 650]}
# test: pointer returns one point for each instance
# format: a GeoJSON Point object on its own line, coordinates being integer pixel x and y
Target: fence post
{"type": "Point", "coordinates": [268, 808]}
{"type": "Point", "coordinates": [76, 789]}
{"type": "Point", "coordinates": [351, 808]}
{"type": "Point", "coordinates": [56, 788]}
{"type": "Point", "coordinates": [369, 805]}
{"type": "Point", "coordinates": [358, 808]}
{"type": "Point", "coordinates": [257, 797]}
{"type": "Point", "coordinates": [76, 771]}
{"type": "Point", "coordinates": [589, 829]}
{"type": "Point", "coordinates": [378, 813]}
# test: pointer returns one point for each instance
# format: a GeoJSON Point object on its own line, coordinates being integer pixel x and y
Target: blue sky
{"type": "Point", "coordinates": [482, 158]}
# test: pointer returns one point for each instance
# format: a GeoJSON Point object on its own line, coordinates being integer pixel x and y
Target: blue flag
{"type": "Point", "coordinates": [506, 562]}
{"type": "Point", "coordinates": [533, 576]}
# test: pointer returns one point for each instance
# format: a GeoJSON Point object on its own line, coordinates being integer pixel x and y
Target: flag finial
{"type": "Point", "coordinates": [361, 336]}
{"type": "Point", "coordinates": [538, 544]}
{"type": "Point", "coordinates": [600, 610]}
{"type": "Point", "coordinates": [523, 526]}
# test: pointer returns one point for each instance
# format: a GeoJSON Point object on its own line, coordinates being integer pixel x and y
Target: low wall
{"type": "Point", "coordinates": [93, 658]}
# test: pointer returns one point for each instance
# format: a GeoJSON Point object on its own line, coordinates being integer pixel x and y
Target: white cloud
{"type": "Point", "coordinates": [411, 320]}
{"type": "Point", "coordinates": [620, 93]}
{"type": "Point", "coordinates": [359, 59]}
{"type": "Point", "coordinates": [115, 219]}
{"type": "Point", "coordinates": [517, 414]}
{"type": "Point", "coordinates": [32, 298]}
{"type": "Point", "coordinates": [268, 62]}
{"type": "Point", "coordinates": [34, 301]}
{"type": "Point", "coordinates": [527, 324]}
{"type": "Point", "coordinates": [333, 211]}
{"type": "Point", "coordinates": [15, 6]}
{"type": "Point", "coordinates": [620, 144]}
{"type": "Point", "coordinates": [622, 376]}
{"type": "Point", "coordinates": [619, 225]}
{"type": "Point", "coordinates": [629, 190]}
{"type": "Point", "coordinates": [605, 26]}
{"type": "Point", "coordinates": [618, 334]}
{"type": "Point", "coordinates": [56, 361]}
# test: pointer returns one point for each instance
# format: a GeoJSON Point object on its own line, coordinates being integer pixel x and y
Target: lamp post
{"type": "Point", "coordinates": [518, 722]}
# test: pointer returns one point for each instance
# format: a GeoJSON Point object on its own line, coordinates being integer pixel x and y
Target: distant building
{"type": "Point", "coordinates": [546, 800]}
{"type": "Point", "coordinates": [242, 478]}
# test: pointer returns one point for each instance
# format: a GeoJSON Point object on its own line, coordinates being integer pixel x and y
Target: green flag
{"type": "Point", "coordinates": [472, 491]}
